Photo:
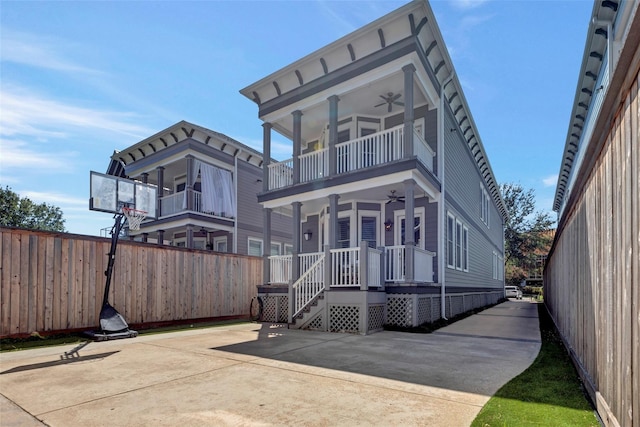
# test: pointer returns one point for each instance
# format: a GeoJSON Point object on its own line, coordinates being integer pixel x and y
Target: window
{"type": "Point", "coordinates": [465, 248]}
{"type": "Point", "coordinates": [275, 248]}
{"type": "Point", "coordinates": [369, 230]}
{"type": "Point", "coordinates": [416, 231]}
{"type": "Point", "coordinates": [344, 232]}
{"type": "Point", "coordinates": [485, 204]}
{"type": "Point", "coordinates": [255, 247]}
{"type": "Point", "coordinates": [457, 244]}
{"type": "Point", "coordinates": [220, 244]}
{"type": "Point", "coordinates": [450, 237]}
{"type": "Point", "coordinates": [288, 249]}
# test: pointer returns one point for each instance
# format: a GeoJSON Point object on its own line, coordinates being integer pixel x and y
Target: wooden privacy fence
{"type": "Point", "coordinates": [55, 281]}
{"type": "Point", "coordinates": [592, 274]}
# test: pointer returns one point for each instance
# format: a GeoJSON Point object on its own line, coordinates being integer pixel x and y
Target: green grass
{"type": "Point", "coordinates": [548, 393]}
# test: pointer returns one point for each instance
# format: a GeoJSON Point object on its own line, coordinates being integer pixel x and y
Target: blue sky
{"type": "Point", "coordinates": [81, 79]}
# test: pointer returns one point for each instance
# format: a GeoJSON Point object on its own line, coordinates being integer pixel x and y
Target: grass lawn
{"type": "Point", "coordinates": [548, 393]}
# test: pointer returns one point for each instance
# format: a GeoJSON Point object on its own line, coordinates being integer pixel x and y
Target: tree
{"type": "Point", "coordinates": [526, 232]}
{"type": "Point", "coordinates": [23, 213]}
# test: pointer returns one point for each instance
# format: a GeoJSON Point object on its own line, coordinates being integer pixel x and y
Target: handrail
{"type": "Point", "coordinates": [308, 286]}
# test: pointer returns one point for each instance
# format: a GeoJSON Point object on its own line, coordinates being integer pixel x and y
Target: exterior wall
{"type": "Point", "coordinates": [592, 274]}
{"type": "Point", "coordinates": [462, 199]}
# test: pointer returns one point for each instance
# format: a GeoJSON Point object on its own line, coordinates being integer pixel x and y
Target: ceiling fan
{"type": "Point", "coordinates": [390, 99]}
{"type": "Point", "coordinates": [393, 198]}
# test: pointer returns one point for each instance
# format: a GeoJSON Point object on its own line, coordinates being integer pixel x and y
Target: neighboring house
{"type": "Point", "coordinates": [592, 275]}
{"type": "Point", "coordinates": [207, 191]}
{"type": "Point", "coordinates": [380, 132]}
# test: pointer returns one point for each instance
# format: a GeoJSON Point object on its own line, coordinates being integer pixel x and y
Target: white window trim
{"type": "Point", "coordinates": [370, 214]}
{"type": "Point", "coordinates": [465, 248]}
{"type": "Point", "coordinates": [220, 239]}
{"type": "Point", "coordinates": [451, 237]}
{"type": "Point", "coordinates": [274, 245]}
{"type": "Point", "coordinates": [253, 239]}
{"type": "Point", "coordinates": [461, 264]}
{"type": "Point", "coordinates": [398, 216]}
{"type": "Point", "coordinates": [485, 206]}
{"type": "Point", "coordinates": [288, 249]}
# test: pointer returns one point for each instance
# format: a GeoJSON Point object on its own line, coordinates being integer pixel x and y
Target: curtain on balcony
{"type": "Point", "coordinates": [218, 196]}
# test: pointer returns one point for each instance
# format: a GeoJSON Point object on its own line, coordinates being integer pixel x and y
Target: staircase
{"type": "Point", "coordinates": [311, 316]}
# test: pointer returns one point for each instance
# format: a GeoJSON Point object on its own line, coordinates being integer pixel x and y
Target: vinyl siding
{"type": "Point", "coordinates": [462, 199]}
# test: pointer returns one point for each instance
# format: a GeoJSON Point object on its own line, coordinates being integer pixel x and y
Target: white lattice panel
{"type": "Point", "coordinates": [424, 310]}
{"type": "Point", "coordinates": [316, 323]}
{"type": "Point", "coordinates": [457, 305]}
{"type": "Point", "coordinates": [268, 309]}
{"type": "Point", "coordinates": [376, 317]}
{"type": "Point", "coordinates": [344, 318]}
{"type": "Point", "coordinates": [283, 308]}
{"type": "Point", "coordinates": [436, 308]}
{"type": "Point", "coordinates": [399, 310]}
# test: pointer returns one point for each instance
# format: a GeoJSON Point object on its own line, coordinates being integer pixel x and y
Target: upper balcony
{"type": "Point", "coordinates": [365, 152]}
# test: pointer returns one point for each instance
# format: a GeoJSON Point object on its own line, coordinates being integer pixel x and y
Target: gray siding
{"type": "Point", "coordinates": [462, 197]}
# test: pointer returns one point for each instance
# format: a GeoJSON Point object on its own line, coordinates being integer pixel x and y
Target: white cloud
{"type": "Point", "coordinates": [467, 4]}
{"type": "Point", "coordinates": [39, 51]}
{"type": "Point", "coordinates": [18, 154]}
{"type": "Point", "coordinates": [32, 114]}
{"type": "Point", "coordinates": [550, 180]}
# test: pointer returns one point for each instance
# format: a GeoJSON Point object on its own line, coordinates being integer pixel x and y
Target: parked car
{"type": "Point", "coordinates": [512, 292]}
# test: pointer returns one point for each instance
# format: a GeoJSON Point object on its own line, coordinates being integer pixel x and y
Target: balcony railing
{"type": "Point", "coordinates": [357, 154]}
{"type": "Point", "coordinates": [176, 203]}
{"type": "Point", "coordinates": [395, 264]}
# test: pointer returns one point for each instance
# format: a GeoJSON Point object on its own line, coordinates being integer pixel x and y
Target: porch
{"type": "Point", "coordinates": [365, 152]}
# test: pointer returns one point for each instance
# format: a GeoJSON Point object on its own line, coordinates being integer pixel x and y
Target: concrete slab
{"type": "Point", "coordinates": [259, 375]}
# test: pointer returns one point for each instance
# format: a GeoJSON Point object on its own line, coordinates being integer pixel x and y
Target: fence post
{"type": "Point", "coordinates": [363, 274]}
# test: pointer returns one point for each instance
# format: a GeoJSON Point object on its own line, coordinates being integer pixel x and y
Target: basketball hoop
{"type": "Point", "coordinates": [134, 217]}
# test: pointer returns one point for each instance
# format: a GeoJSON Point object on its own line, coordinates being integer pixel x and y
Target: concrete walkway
{"type": "Point", "coordinates": [261, 375]}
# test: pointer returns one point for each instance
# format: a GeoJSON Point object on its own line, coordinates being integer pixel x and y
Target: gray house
{"type": "Point", "coordinates": [207, 185]}
{"type": "Point", "coordinates": [396, 216]}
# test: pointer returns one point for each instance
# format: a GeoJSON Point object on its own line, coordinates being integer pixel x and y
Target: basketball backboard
{"type": "Point", "coordinates": [110, 193]}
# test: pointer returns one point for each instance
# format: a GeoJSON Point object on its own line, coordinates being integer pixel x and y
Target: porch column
{"type": "Point", "coordinates": [189, 243]}
{"type": "Point", "coordinates": [189, 186]}
{"type": "Point", "coordinates": [266, 155]}
{"type": "Point", "coordinates": [333, 221]}
{"type": "Point", "coordinates": [266, 247]}
{"type": "Point", "coordinates": [295, 239]}
{"type": "Point", "coordinates": [160, 237]}
{"type": "Point", "coordinates": [409, 70]}
{"type": "Point", "coordinates": [409, 235]}
{"type": "Point", "coordinates": [160, 191]}
{"type": "Point", "coordinates": [297, 144]}
{"type": "Point", "coordinates": [333, 134]}
{"type": "Point", "coordinates": [145, 178]}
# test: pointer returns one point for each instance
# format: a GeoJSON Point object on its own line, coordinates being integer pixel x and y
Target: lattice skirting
{"type": "Point", "coordinates": [376, 318]}
{"type": "Point", "coordinates": [344, 318]}
{"type": "Point", "coordinates": [315, 324]}
{"type": "Point", "coordinates": [275, 308]}
{"type": "Point", "coordinates": [408, 310]}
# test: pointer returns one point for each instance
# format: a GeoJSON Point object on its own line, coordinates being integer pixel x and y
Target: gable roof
{"type": "Point", "coordinates": [415, 19]}
{"type": "Point", "coordinates": [176, 133]}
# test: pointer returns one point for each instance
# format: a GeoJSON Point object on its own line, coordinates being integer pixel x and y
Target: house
{"type": "Point", "coordinates": [380, 132]}
{"type": "Point", "coordinates": [207, 185]}
{"type": "Point", "coordinates": [592, 274]}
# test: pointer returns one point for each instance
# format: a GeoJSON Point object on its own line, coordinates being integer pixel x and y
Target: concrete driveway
{"type": "Point", "coordinates": [260, 374]}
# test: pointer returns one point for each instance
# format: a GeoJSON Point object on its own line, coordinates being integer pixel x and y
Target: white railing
{"type": "Point", "coordinates": [308, 286]}
{"type": "Point", "coordinates": [308, 259]}
{"type": "Point", "coordinates": [314, 165]}
{"type": "Point", "coordinates": [280, 268]}
{"type": "Point", "coordinates": [371, 150]}
{"type": "Point", "coordinates": [395, 262]}
{"type": "Point", "coordinates": [176, 203]}
{"type": "Point", "coordinates": [281, 174]}
{"type": "Point", "coordinates": [422, 150]}
{"type": "Point", "coordinates": [374, 268]}
{"type": "Point", "coordinates": [423, 265]}
{"type": "Point", "coordinates": [345, 267]}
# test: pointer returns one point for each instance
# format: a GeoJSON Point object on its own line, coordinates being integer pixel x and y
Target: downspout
{"type": "Point", "coordinates": [235, 190]}
{"type": "Point", "coordinates": [442, 265]}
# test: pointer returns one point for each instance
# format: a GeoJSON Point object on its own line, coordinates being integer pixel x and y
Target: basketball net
{"type": "Point", "coordinates": [134, 217]}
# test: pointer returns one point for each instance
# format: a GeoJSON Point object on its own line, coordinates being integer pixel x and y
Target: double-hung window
{"type": "Point", "coordinates": [457, 244]}
{"type": "Point", "coordinates": [485, 204]}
